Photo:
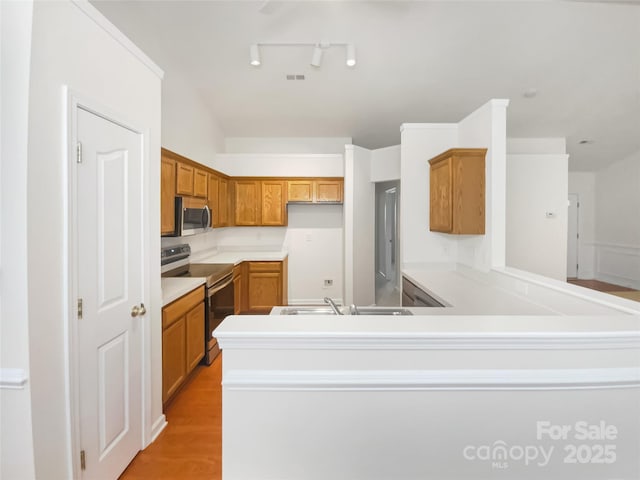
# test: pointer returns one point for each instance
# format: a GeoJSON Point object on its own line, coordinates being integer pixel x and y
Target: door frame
{"type": "Point", "coordinates": [74, 101]}
{"type": "Point", "coordinates": [577, 239]}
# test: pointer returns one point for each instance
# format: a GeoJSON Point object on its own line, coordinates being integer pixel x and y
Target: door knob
{"type": "Point", "coordinates": [138, 310]}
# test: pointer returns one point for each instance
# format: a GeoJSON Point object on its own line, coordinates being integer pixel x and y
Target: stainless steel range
{"type": "Point", "coordinates": [219, 288]}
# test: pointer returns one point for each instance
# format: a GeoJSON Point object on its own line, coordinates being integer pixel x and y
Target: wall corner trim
{"type": "Point", "coordinates": [94, 14]}
{"type": "Point", "coordinates": [13, 378]}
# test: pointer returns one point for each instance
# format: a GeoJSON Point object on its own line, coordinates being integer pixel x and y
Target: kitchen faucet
{"type": "Point", "coordinates": [334, 307]}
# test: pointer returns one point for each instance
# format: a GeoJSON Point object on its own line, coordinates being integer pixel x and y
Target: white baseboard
{"type": "Point", "coordinates": [157, 427]}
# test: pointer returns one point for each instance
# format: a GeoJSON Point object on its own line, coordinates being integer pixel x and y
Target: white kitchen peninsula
{"type": "Point", "coordinates": [428, 396]}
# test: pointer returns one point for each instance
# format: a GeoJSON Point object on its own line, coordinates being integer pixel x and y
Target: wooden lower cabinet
{"type": "Point", "coordinates": [261, 286]}
{"type": "Point", "coordinates": [239, 302]}
{"type": "Point", "coordinates": [182, 340]}
{"type": "Point", "coordinates": [174, 368]}
{"type": "Point", "coordinates": [194, 321]}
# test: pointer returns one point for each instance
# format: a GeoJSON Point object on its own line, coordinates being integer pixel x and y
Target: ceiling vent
{"type": "Point", "coordinates": [295, 77]}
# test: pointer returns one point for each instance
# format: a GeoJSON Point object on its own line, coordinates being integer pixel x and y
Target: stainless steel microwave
{"type": "Point", "coordinates": [190, 221]}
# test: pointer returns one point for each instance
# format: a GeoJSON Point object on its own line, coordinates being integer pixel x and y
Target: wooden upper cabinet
{"type": "Point", "coordinates": [213, 200]}
{"type": "Point", "coordinates": [457, 191]}
{"type": "Point", "coordinates": [300, 190]}
{"type": "Point", "coordinates": [223, 202]}
{"type": "Point", "coordinates": [247, 202]}
{"type": "Point", "coordinates": [167, 195]}
{"type": "Point", "coordinates": [274, 203]}
{"type": "Point", "coordinates": [328, 191]}
{"type": "Point", "coordinates": [184, 179]}
{"type": "Point", "coordinates": [315, 190]}
{"type": "Point", "coordinates": [199, 183]}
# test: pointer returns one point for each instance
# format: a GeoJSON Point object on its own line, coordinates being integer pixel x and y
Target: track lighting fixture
{"type": "Point", "coordinates": [254, 53]}
{"type": "Point", "coordinates": [351, 55]}
{"type": "Point", "coordinates": [316, 57]}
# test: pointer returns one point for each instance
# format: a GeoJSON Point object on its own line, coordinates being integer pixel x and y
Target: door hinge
{"type": "Point", "coordinates": [79, 153]}
{"type": "Point", "coordinates": [79, 309]}
{"type": "Point", "coordinates": [577, 235]}
{"type": "Point", "coordinates": [578, 205]}
{"type": "Point", "coordinates": [577, 267]}
{"type": "Point", "coordinates": [83, 463]}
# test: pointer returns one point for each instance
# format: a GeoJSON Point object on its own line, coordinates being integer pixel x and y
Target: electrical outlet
{"type": "Point", "coordinates": [328, 283]}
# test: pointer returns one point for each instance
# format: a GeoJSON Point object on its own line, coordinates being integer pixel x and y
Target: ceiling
{"type": "Point", "coordinates": [417, 62]}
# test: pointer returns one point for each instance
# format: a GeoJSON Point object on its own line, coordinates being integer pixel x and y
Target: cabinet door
{"type": "Point", "coordinates": [328, 191]}
{"type": "Point", "coordinates": [173, 354]}
{"type": "Point", "coordinates": [199, 183]}
{"type": "Point", "coordinates": [247, 202]}
{"type": "Point", "coordinates": [223, 202]}
{"type": "Point", "coordinates": [300, 191]}
{"type": "Point", "coordinates": [274, 203]}
{"type": "Point", "coordinates": [195, 336]}
{"type": "Point", "coordinates": [212, 199]}
{"type": "Point", "coordinates": [184, 179]}
{"type": "Point", "coordinates": [238, 292]}
{"type": "Point", "coordinates": [440, 210]}
{"type": "Point", "coordinates": [264, 291]}
{"type": "Point", "coordinates": [167, 196]}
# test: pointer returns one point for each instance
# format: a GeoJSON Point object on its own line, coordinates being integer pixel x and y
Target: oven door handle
{"type": "Point", "coordinates": [215, 288]}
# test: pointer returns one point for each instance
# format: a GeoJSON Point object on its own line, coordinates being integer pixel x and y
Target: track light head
{"type": "Point", "coordinates": [316, 58]}
{"type": "Point", "coordinates": [351, 55]}
{"type": "Point", "coordinates": [254, 53]}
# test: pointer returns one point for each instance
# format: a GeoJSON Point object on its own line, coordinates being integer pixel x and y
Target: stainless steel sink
{"type": "Point", "coordinates": [345, 311]}
{"type": "Point", "coordinates": [308, 311]}
{"type": "Point", "coordinates": [383, 311]}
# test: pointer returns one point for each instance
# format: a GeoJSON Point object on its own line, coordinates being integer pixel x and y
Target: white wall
{"type": "Point", "coordinates": [487, 127]}
{"type": "Point", "coordinates": [385, 164]}
{"type": "Point", "coordinates": [316, 164]}
{"type": "Point", "coordinates": [16, 440]}
{"type": "Point", "coordinates": [617, 226]}
{"type": "Point", "coordinates": [291, 145]}
{"type": "Point", "coordinates": [70, 48]}
{"type": "Point", "coordinates": [536, 145]}
{"type": "Point", "coordinates": [359, 227]}
{"type": "Point", "coordinates": [188, 127]}
{"type": "Point", "coordinates": [483, 128]}
{"type": "Point", "coordinates": [583, 185]}
{"type": "Point", "coordinates": [419, 143]}
{"type": "Point", "coordinates": [537, 184]}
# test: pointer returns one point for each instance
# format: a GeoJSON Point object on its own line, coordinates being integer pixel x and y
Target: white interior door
{"type": "Point", "coordinates": [390, 212]}
{"type": "Point", "coordinates": [572, 237]}
{"type": "Point", "coordinates": [109, 240]}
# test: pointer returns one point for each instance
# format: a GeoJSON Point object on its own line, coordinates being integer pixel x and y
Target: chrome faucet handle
{"type": "Point", "coordinates": [334, 307]}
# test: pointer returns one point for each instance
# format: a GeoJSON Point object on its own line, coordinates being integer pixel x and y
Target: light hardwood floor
{"type": "Point", "coordinates": [598, 285]}
{"type": "Point", "coordinates": [190, 447]}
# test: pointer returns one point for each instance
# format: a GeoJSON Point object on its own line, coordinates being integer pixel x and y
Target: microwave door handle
{"type": "Point", "coordinates": [206, 217]}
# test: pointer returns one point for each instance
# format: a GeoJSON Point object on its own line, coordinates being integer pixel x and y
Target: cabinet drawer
{"type": "Point", "coordinates": [265, 266]}
{"type": "Point", "coordinates": [178, 308]}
